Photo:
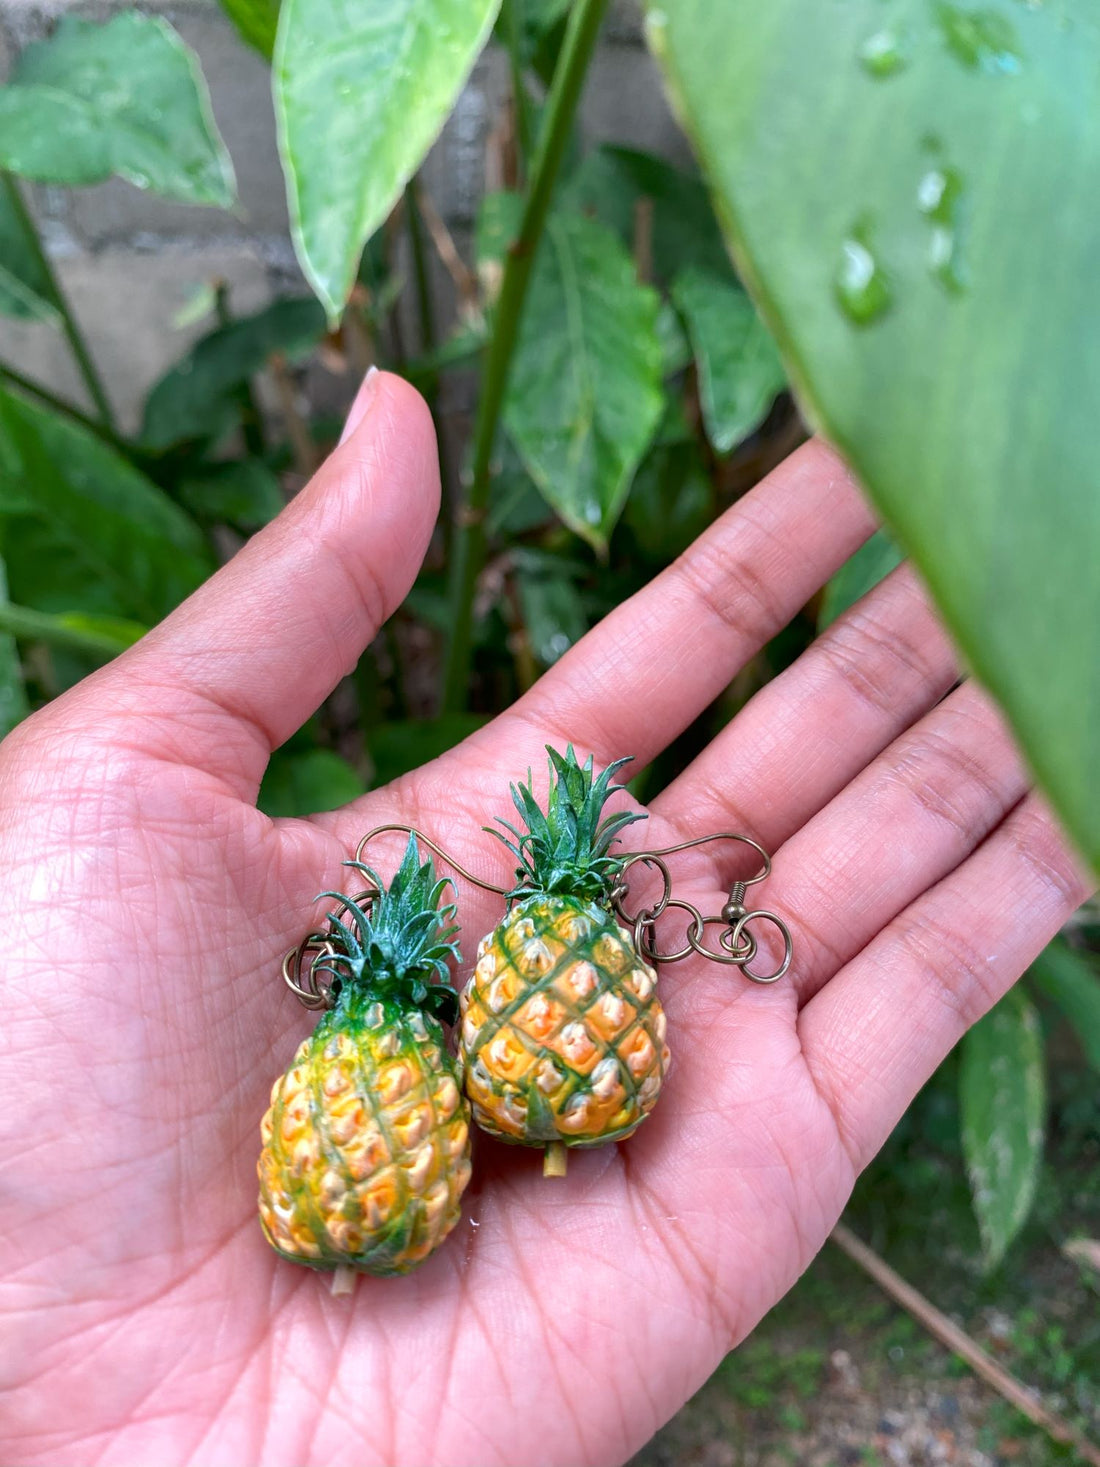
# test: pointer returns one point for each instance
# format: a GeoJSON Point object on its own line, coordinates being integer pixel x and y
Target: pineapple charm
{"type": "Point", "coordinates": [366, 1145]}
{"type": "Point", "coordinates": [562, 1036]}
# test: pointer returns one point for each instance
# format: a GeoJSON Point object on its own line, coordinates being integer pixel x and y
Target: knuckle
{"type": "Point", "coordinates": [876, 658]}
{"type": "Point", "coordinates": [944, 779]}
{"type": "Point", "coordinates": [959, 973]}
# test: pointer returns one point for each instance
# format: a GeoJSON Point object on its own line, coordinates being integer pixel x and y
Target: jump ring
{"type": "Point", "coordinates": [788, 946]}
{"type": "Point", "coordinates": [695, 934]}
{"type": "Point", "coordinates": [650, 913]}
{"type": "Point", "coordinates": [730, 958]}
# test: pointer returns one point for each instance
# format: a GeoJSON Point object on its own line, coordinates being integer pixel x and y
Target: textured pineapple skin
{"type": "Point", "coordinates": [366, 1144]}
{"type": "Point", "coordinates": [562, 1035]}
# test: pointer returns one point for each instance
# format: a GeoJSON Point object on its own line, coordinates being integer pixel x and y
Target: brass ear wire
{"type": "Point", "coordinates": [311, 981]}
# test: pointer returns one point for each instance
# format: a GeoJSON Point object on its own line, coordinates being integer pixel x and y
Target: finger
{"type": "Point", "coordinates": [810, 731]}
{"type": "Point", "coordinates": [873, 1035]}
{"type": "Point", "coordinates": [911, 817]}
{"type": "Point", "coordinates": [651, 666]}
{"type": "Point", "coordinates": [244, 661]}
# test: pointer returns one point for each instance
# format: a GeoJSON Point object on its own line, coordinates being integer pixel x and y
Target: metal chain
{"type": "Point", "coordinates": [309, 969]}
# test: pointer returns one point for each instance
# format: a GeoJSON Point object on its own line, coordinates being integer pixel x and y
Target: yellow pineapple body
{"type": "Point", "coordinates": [562, 1035]}
{"type": "Point", "coordinates": [366, 1145]}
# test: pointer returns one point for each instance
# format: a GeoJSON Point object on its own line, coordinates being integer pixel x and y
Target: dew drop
{"type": "Point", "coordinates": [883, 54]}
{"type": "Point", "coordinates": [862, 290]}
{"type": "Point", "coordinates": [939, 198]}
{"type": "Point", "coordinates": [980, 39]}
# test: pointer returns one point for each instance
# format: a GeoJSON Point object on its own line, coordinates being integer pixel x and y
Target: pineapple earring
{"type": "Point", "coordinates": [366, 1145]}
{"type": "Point", "coordinates": [562, 1038]}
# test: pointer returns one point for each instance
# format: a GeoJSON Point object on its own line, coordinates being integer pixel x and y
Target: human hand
{"type": "Point", "coordinates": [147, 904]}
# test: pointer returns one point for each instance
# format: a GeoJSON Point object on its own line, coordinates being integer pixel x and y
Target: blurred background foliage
{"type": "Point", "coordinates": [628, 392]}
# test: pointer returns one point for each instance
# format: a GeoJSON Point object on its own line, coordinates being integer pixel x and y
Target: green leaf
{"type": "Point", "coordinates": [740, 374]}
{"type": "Point", "coordinates": [552, 609]}
{"type": "Point", "coordinates": [243, 492]}
{"type": "Point", "coordinates": [361, 93]}
{"type": "Point", "coordinates": [585, 396]}
{"type": "Point", "coordinates": [1070, 980]}
{"type": "Point", "coordinates": [13, 697]}
{"type": "Point", "coordinates": [78, 631]}
{"type": "Point", "coordinates": [909, 192]}
{"type": "Point", "coordinates": [859, 574]}
{"type": "Point", "coordinates": [83, 522]}
{"type": "Point", "coordinates": [610, 181]}
{"type": "Point", "coordinates": [24, 287]}
{"type": "Point", "coordinates": [307, 781]}
{"type": "Point", "coordinates": [1002, 1097]}
{"type": "Point", "coordinates": [256, 21]}
{"type": "Point", "coordinates": [195, 398]}
{"type": "Point", "coordinates": [124, 98]}
{"type": "Point", "coordinates": [672, 500]}
{"type": "Point", "coordinates": [395, 748]}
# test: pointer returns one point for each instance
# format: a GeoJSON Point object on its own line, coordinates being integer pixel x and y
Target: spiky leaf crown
{"type": "Point", "coordinates": [567, 849]}
{"type": "Point", "coordinates": [399, 948]}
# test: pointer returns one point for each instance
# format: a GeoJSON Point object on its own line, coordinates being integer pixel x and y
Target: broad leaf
{"type": "Point", "coordinates": [241, 492]}
{"type": "Point", "coordinates": [307, 781]}
{"type": "Point", "coordinates": [740, 374]}
{"type": "Point", "coordinates": [13, 697]}
{"type": "Point", "coordinates": [195, 398]}
{"type": "Point", "coordinates": [910, 192]}
{"type": "Point", "coordinates": [24, 288]}
{"type": "Point", "coordinates": [672, 500]}
{"type": "Point", "coordinates": [1002, 1091]}
{"type": "Point", "coordinates": [610, 181]}
{"type": "Point", "coordinates": [256, 20]}
{"type": "Point", "coordinates": [585, 396]}
{"type": "Point", "coordinates": [361, 93]}
{"type": "Point", "coordinates": [83, 529]}
{"type": "Point", "coordinates": [76, 631]}
{"type": "Point", "coordinates": [396, 748]}
{"type": "Point", "coordinates": [123, 98]}
{"type": "Point", "coordinates": [871, 563]}
{"type": "Point", "coordinates": [1072, 982]}
{"type": "Point", "coordinates": [553, 613]}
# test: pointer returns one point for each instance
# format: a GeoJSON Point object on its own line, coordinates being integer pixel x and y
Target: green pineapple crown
{"type": "Point", "coordinates": [400, 946]}
{"type": "Point", "coordinates": [567, 848]}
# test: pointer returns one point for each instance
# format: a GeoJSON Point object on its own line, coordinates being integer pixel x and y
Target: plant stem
{"type": "Point", "coordinates": [58, 631]}
{"type": "Point", "coordinates": [512, 13]}
{"type": "Point", "coordinates": [252, 423]}
{"type": "Point", "coordinates": [420, 270]}
{"type": "Point", "coordinates": [68, 321]}
{"type": "Point", "coordinates": [468, 554]}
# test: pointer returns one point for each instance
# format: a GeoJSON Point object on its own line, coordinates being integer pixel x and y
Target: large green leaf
{"type": "Point", "coordinates": [585, 396]}
{"type": "Point", "coordinates": [395, 748]}
{"type": "Point", "coordinates": [124, 98]}
{"type": "Point", "coordinates": [740, 374]}
{"type": "Point", "coordinates": [24, 288]}
{"type": "Point", "coordinates": [306, 781]}
{"type": "Point", "coordinates": [1002, 1096]}
{"type": "Point", "coordinates": [1072, 982]}
{"type": "Point", "coordinates": [361, 93]}
{"type": "Point", "coordinates": [910, 191]}
{"type": "Point", "coordinates": [83, 529]}
{"type": "Point", "coordinates": [242, 492]}
{"type": "Point", "coordinates": [860, 573]}
{"type": "Point", "coordinates": [13, 697]}
{"type": "Point", "coordinates": [195, 399]}
{"type": "Point", "coordinates": [256, 20]}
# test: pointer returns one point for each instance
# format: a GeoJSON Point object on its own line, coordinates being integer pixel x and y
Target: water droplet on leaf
{"type": "Point", "coordinates": [980, 39]}
{"type": "Point", "coordinates": [862, 290]}
{"type": "Point", "coordinates": [939, 198]}
{"type": "Point", "coordinates": [883, 54]}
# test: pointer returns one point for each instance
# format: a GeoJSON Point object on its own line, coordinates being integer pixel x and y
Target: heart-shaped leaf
{"type": "Point", "coordinates": [909, 188]}
{"type": "Point", "coordinates": [585, 396]}
{"type": "Point", "coordinates": [361, 93]}
{"type": "Point", "coordinates": [124, 98]}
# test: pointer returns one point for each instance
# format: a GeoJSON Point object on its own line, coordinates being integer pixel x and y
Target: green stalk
{"type": "Point", "coordinates": [252, 423]}
{"type": "Point", "coordinates": [63, 631]}
{"type": "Point", "coordinates": [68, 321]}
{"type": "Point", "coordinates": [468, 553]}
{"type": "Point", "coordinates": [420, 271]}
{"type": "Point", "coordinates": [512, 13]}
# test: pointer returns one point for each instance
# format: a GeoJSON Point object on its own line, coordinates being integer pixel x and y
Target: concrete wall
{"type": "Point", "coordinates": [129, 261]}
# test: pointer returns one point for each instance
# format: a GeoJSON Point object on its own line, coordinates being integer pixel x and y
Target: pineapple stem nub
{"type": "Point", "coordinates": [398, 945]}
{"type": "Point", "coordinates": [566, 849]}
{"type": "Point", "coordinates": [555, 1159]}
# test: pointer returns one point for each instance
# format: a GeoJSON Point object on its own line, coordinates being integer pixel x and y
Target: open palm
{"type": "Point", "coordinates": [146, 904]}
